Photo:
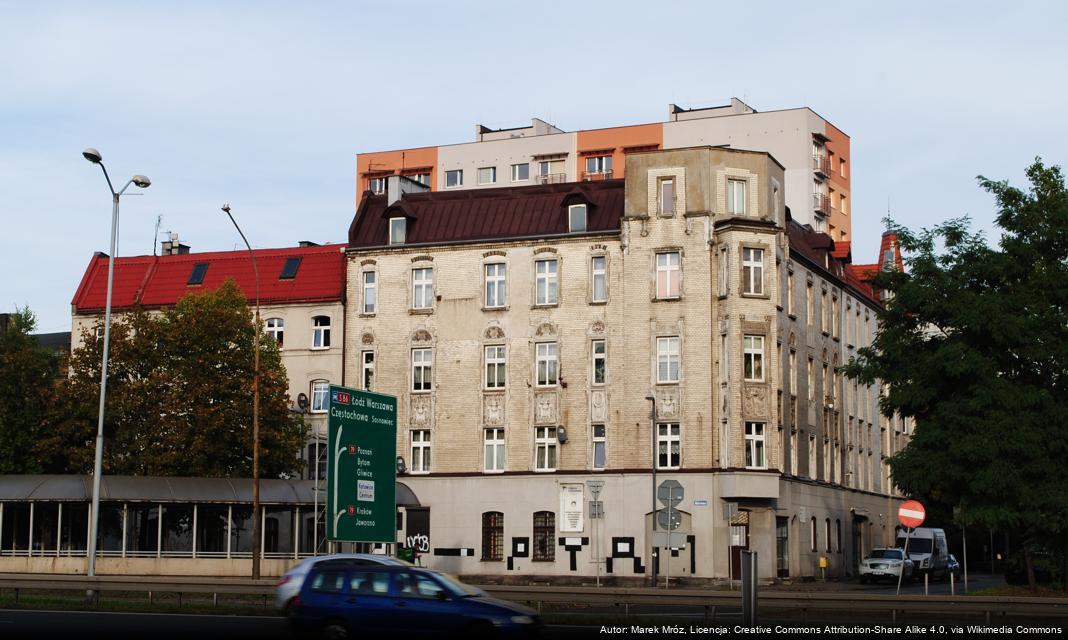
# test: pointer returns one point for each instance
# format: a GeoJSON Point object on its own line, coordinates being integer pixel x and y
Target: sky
{"type": "Point", "coordinates": [264, 105]}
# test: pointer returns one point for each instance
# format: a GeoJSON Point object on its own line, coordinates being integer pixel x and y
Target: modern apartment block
{"type": "Point", "coordinates": [542, 337]}
{"type": "Point", "coordinates": [301, 299]}
{"type": "Point", "coordinates": [814, 153]}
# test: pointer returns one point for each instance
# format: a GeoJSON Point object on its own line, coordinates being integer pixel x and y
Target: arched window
{"type": "Point", "coordinates": [827, 532]}
{"type": "Point", "coordinates": [321, 332]}
{"type": "Point", "coordinates": [812, 532]}
{"type": "Point", "coordinates": [838, 536]}
{"type": "Point", "coordinates": [276, 329]}
{"type": "Point", "coordinates": [493, 535]}
{"type": "Point", "coordinates": [544, 531]}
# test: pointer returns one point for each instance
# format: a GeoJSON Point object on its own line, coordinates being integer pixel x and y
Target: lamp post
{"type": "Point", "coordinates": [255, 409]}
{"type": "Point", "coordinates": [92, 155]}
{"type": "Point", "coordinates": [652, 423]}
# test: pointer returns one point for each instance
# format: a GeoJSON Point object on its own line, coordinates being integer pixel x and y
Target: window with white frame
{"type": "Point", "coordinates": [576, 218]}
{"type": "Point", "coordinates": [420, 451]}
{"type": "Point", "coordinates": [666, 197]}
{"type": "Point", "coordinates": [668, 446]}
{"type": "Point", "coordinates": [367, 370]}
{"type": "Point", "coordinates": [600, 362]}
{"type": "Point", "coordinates": [276, 330]}
{"type": "Point", "coordinates": [668, 274]}
{"type": "Point", "coordinates": [736, 198]}
{"type": "Point", "coordinates": [421, 369]}
{"type": "Point", "coordinates": [547, 364]}
{"type": "Point", "coordinates": [377, 185]}
{"type": "Point", "coordinates": [545, 444]}
{"type": "Point", "coordinates": [321, 332]}
{"type": "Point", "coordinates": [667, 360]}
{"type": "Point", "coordinates": [487, 175]}
{"type": "Point", "coordinates": [810, 305]}
{"type": "Point", "coordinates": [545, 282]}
{"type": "Point", "coordinates": [496, 285]}
{"type": "Point", "coordinates": [600, 447]}
{"type": "Point", "coordinates": [754, 358]}
{"type": "Point", "coordinates": [495, 366]}
{"type": "Point", "coordinates": [320, 402]}
{"type": "Point", "coordinates": [752, 271]}
{"type": "Point", "coordinates": [421, 178]}
{"type": "Point", "coordinates": [599, 279]}
{"type": "Point", "coordinates": [790, 293]}
{"type": "Point", "coordinates": [493, 440]}
{"type": "Point", "coordinates": [521, 172]}
{"type": "Point", "coordinates": [370, 291]}
{"type": "Point", "coordinates": [454, 178]}
{"type": "Point", "coordinates": [397, 230]}
{"type": "Point", "coordinates": [423, 288]}
{"type": "Point", "coordinates": [548, 168]}
{"type": "Point", "coordinates": [754, 446]}
{"type": "Point", "coordinates": [723, 270]}
{"type": "Point", "coordinates": [599, 164]}
{"type": "Point", "coordinates": [835, 321]}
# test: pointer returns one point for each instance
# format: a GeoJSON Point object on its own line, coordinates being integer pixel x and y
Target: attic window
{"type": "Point", "coordinates": [289, 271]}
{"type": "Point", "coordinates": [199, 271]}
{"type": "Point", "coordinates": [576, 218]}
{"type": "Point", "coordinates": [397, 228]}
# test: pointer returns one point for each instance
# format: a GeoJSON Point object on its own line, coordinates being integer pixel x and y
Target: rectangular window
{"type": "Point", "coordinates": [576, 218]}
{"type": "Point", "coordinates": [377, 186]}
{"type": "Point", "coordinates": [754, 358]}
{"type": "Point", "coordinates": [599, 447]}
{"type": "Point", "coordinates": [841, 167]}
{"type": "Point", "coordinates": [196, 276]}
{"type": "Point", "coordinates": [545, 282]}
{"type": "Point", "coordinates": [493, 535]}
{"type": "Point", "coordinates": [547, 373]}
{"type": "Point", "coordinates": [844, 206]}
{"type": "Point", "coordinates": [397, 228]}
{"type": "Point", "coordinates": [754, 445]}
{"type": "Point", "coordinates": [422, 288]}
{"type": "Point", "coordinates": [496, 285]}
{"type": "Point", "coordinates": [666, 198]}
{"type": "Point", "coordinates": [812, 458]}
{"type": "Point", "coordinates": [810, 305]}
{"type": "Point", "coordinates": [421, 363]}
{"type": "Point", "coordinates": [495, 367]}
{"type": "Point", "coordinates": [825, 312]}
{"type": "Point", "coordinates": [320, 393]}
{"type": "Point", "coordinates": [544, 537]}
{"type": "Point", "coordinates": [276, 329]}
{"type": "Point", "coordinates": [667, 275]}
{"type": "Point", "coordinates": [421, 178]}
{"type": "Point", "coordinates": [600, 358]}
{"type": "Point", "coordinates": [668, 446]}
{"type": "Point", "coordinates": [753, 271]}
{"type": "Point", "coordinates": [321, 332]}
{"type": "Point", "coordinates": [599, 164]}
{"type": "Point", "coordinates": [835, 320]}
{"type": "Point", "coordinates": [367, 365]}
{"type": "Point", "coordinates": [370, 291]}
{"type": "Point", "coordinates": [551, 170]}
{"type": "Point", "coordinates": [454, 178]}
{"type": "Point", "coordinates": [811, 375]}
{"type": "Point", "coordinates": [289, 269]}
{"type": "Point", "coordinates": [545, 448]}
{"type": "Point", "coordinates": [790, 293]}
{"type": "Point", "coordinates": [667, 360]}
{"type": "Point", "coordinates": [736, 190]}
{"type": "Point", "coordinates": [421, 451]}
{"type": "Point", "coordinates": [487, 175]}
{"type": "Point", "coordinates": [724, 271]}
{"type": "Point", "coordinates": [793, 374]}
{"type": "Point", "coordinates": [494, 446]}
{"type": "Point", "coordinates": [521, 172]}
{"type": "Point", "coordinates": [599, 275]}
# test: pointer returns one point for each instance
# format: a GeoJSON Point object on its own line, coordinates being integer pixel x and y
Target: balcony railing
{"type": "Point", "coordinates": [552, 178]}
{"type": "Point", "coordinates": [821, 202]}
{"type": "Point", "coordinates": [821, 165]}
{"type": "Point", "coordinates": [589, 176]}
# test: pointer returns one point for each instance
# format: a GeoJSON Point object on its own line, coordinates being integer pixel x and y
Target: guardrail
{"type": "Point", "coordinates": [710, 600]}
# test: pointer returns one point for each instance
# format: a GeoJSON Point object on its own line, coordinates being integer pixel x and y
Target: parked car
{"type": "Point", "coordinates": [928, 549]}
{"type": "Point", "coordinates": [883, 563]}
{"type": "Point", "coordinates": [953, 567]}
{"type": "Point", "coordinates": [341, 600]}
{"type": "Point", "coordinates": [289, 584]}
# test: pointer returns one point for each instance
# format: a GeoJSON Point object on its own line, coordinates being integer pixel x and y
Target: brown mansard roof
{"type": "Point", "coordinates": [443, 217]}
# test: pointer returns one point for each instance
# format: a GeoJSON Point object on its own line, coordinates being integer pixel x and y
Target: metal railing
{"type": "Point", "coordinates": [821, 202]}
{"type": "Point", "coordinates": [821, 164]}
{"type": "Point", "coordinates": [590, 176]}
{"type": "Point", "coordinates": [552, 178]}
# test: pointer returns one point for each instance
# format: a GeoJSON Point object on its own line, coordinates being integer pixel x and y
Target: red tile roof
{"type": "Point", "coordinates": [159, 281]}
{"type": "Point", "coordinates": [488, 214]}
{"type": "Point", "coordinates": [842, 249]}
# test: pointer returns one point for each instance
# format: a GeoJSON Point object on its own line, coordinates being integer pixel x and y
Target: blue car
{"type": "Point", "coordinates": [342, 600]}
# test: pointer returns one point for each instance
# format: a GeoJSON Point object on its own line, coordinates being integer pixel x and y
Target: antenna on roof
{"type": "Point", "coordinates": [155, 236]}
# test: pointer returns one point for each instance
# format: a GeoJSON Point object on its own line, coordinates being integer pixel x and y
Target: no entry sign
{"type": "Point", "coordinates": [911, 514]}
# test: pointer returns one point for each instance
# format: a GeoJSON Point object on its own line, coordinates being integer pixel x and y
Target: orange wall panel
{"type": "Point", "coordinates": [616, 138]}
{"type": "Point", "coordinates": [838, 144]}
{"type": "Point", "coordinates": [394, 161]}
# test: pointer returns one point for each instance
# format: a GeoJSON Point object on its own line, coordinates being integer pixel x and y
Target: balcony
{"type": "Point", "coordinates": [821, 203]}
{"type": "Point", "coordinates": [590, 176]}
{"type": "Point", "coordinates": [552, 178]}
{"type": "Point", "coordinates": [821, 164]}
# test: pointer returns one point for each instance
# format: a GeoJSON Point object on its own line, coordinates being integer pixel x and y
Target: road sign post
{"type": "Point", "coordinates": [910, 514]}
{"type": "Point", "coordinates": [362, 467]}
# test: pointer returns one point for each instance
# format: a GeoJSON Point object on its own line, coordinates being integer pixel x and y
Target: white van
{"type": "Point", "coordinates": [927, 549]}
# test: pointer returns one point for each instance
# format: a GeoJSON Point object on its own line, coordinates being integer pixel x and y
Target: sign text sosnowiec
{"type": "Point", "coordinates": [361, 493]}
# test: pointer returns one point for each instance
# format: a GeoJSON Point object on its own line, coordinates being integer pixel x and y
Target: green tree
{"type": "Point", "coordinates": [973, 344]}
{"type": "Point", "coordinates": [27, 380]}
{"type": "Point", "coordinates": [179, 398]}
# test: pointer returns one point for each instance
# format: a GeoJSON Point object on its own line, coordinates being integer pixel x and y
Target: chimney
{"type": "Point", "coordinates": [172, 247]}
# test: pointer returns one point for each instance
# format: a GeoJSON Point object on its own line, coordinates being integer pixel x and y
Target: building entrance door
{"type": "Point", "coordinates": [782, 546]}
{"type": "Point", "coordinates": [739, 542]}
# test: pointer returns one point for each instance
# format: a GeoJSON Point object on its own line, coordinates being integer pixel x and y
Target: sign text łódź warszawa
{"type": "Point", "coordinates": [361, 494]}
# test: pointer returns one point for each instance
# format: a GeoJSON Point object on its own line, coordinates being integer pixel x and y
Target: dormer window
{"type": "Point", "coordinates": [377, 186]}
{"type": "Point", "coordinates": [576, 218]}
{"type": "Point", "coordinates": [397, 229]}
{"type": "Point", "coordinates": [666, 197]}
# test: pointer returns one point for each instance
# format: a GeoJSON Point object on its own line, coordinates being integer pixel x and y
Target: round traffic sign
{"type": "Point", "coordinates": [911, 514]}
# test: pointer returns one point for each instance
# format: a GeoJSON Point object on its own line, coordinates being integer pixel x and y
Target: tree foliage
{"type": "Point", "coordinates": [973, 344]}
{"type": "Point", "coordinates": [179, 396]}
{"type": "Point", "coordinates": [27, 378]}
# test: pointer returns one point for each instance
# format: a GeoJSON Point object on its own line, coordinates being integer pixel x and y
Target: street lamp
{"type": "Point", "coordinates": [92, 155]}
{"type": "Point", "coordinates": [652, 423]}
{"type": "Point", "coordinates": [255, 410]}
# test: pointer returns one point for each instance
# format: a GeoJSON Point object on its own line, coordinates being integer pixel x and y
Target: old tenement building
{"type": "Point", "coordinates": [527, 332]}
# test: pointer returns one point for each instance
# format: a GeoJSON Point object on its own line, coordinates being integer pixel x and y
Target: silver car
{"type": "Point", "coordinates": [885, 563]}
{"type": "Point", "coordinates": [290, 583]}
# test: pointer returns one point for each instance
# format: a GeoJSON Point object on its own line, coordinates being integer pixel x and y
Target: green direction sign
{"type": "Point", "coordinates": [361, 495]}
